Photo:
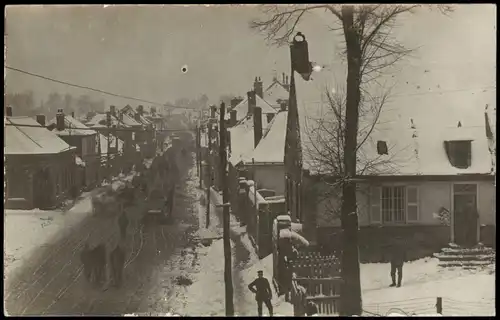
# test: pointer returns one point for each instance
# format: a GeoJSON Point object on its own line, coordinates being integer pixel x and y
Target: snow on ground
{"type": "Point", "coordinates": [28, 230]}
{"type": "Point", "coordinates": [464, 292]}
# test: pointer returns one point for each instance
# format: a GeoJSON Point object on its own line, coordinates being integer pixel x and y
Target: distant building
{"type": "Point", "coordinates": [39, 165]}
{"type": "Point", "coordinates": [83, 139]}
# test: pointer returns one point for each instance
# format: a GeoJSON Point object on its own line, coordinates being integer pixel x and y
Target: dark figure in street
{"type": "Point", "coordinates": [311, 308]}
{"type": "Point", "coordinates": [123, 224]}
{"type": "Point", "coordinates": [99, 263]}
{"type": "Point", "coordinates": [117, 260]}
{"type": "Point", "coordinates": [398, 257]}
{"type": "Point", "coordinates": [85, 258]}
{"type": "Point", "coordinates": [263, 293]}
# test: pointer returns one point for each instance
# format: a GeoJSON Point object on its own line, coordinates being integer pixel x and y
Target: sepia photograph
{"type": "Point", "coordinates": [250, 160]}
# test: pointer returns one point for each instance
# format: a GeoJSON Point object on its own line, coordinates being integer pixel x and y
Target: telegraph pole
{"type": "Point", "coordinates": [108, 124]}
{"type": "Point", "coordinates": [209, 168]}
{"type": "Point", "coordinates": [228, 281]}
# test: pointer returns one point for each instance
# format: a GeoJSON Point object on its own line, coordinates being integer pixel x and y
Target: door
{"type": "Point", "coordinates": [465, 214]}
{"type": "Point", "coordinates": [42, 189]}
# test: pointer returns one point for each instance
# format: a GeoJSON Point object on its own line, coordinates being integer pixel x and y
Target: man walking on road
{"type": "Point", "coordinates": [263, 293]}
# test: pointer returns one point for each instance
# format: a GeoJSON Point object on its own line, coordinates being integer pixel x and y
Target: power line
{"type": "Point", "coordinates": [95, 90]}
{"type": "Point", "coordinates": [100, 128]}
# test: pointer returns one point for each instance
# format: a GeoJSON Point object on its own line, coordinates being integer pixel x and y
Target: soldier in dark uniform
{"type": "Point", "coordinates": [117, 259]}
{"type": "Point", "coordinates": [398, 257]}
{"type": "Point", "coordinates": [263, 293]}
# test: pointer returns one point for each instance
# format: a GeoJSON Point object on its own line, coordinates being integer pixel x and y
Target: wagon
{"type": "Point", "coordinates": [157, 207]}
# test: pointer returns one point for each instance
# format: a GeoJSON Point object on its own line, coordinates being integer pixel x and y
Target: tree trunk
{"type": "Point", "coordinates": [351, 290]}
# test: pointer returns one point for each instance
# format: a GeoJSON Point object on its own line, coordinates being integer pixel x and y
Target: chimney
{"type": "Point", "coordinates": [153, 110]}
{"type": "Point", "coordinates": [284, 79]}
{"type": "Point", "coordinates": [232, 121]}
{"type": "Point", "coordinates": [41, 119]}
{"type": "Point", "coordinates": [60, 120]}
{"type": "Point", "coordinates": [8, 112]}
{"type": "Point", "coordinates": [137, 116]}
{"type": "Point", "coordinates": [286, 85]}
{"type": "Point", "coordinates": [73, 114]}
{"type": "Point", "coordinates": [140, 109]}
{"type": "Point", "coordinates": [257, 125]}
{"type": "Point", "coordinates": [112, 110]}
{"type": "Point", "coordinates": [284, 105]}
{"type": "Point", "coordinates": [252, 102]}
{"type": "Point", "coordinates": [258, 87]}
{"type": "Point", "coordinates": [270, 117]}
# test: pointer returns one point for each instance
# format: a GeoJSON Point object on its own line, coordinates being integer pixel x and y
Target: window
{"type": "Point", "coordinates": [459, 153]}
{"type": "Point", "coordinates": [382, 148]}
{"type": "Point", "coordinates": [393, 204]}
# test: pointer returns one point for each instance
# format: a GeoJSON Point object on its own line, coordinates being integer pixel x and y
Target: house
{"type": "Point", "coordinates": [78, 135]}
{"type": "Point", "coordinates": [241, 111]}
{"type": "Point", "coordinates": [145, 136]}
{"type": "Point", "coordinates": [430, 179]}
{"type": "Point", "coordinates": [39, 166]}
{"type": "Point", "coordinates": [266, 159]}
{"type": "Point", "coordinates": [124, 126]}
{"type": "Point", "coordinates": [277, 92]}
{"type": "Point", "coordinates": [112, 154]}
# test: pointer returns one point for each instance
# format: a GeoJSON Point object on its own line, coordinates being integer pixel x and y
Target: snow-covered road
{"type": "Point", "coordinates": [48, 280]}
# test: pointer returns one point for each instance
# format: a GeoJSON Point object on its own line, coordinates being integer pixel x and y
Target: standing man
{"type": "Point", "coordinates": [398, 257]}
{"type": "Point", "coordinates": [263, 293]}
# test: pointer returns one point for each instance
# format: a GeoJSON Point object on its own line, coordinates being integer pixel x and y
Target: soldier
{"type": "Point", "coordinates": [398, 257]}
{"type": "Point", "coordinates": [263, 293]}
{"type": "Point", "coordinates": [123, 224]}
{"type": "Point", "coordinates": [117, 259]}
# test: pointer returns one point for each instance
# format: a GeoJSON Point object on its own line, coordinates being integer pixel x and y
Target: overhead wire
{"type": "Point", "coordinates": [96, 90]}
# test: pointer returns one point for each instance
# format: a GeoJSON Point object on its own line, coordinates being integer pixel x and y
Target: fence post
{"type": "Point", "coordinates": [439, 305]}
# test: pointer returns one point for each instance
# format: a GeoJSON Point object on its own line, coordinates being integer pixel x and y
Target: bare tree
{"type": "Point", "coordinates": [369, 50]}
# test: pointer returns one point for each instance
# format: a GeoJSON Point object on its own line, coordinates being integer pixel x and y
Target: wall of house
{"type": "Point", "coordinates": [270, 177]}
{"type": "Point", "coordinates": [424, 237]}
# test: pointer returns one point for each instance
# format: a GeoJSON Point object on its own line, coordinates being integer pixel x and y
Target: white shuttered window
{"type": "Point", "coordinates": [394, 204]}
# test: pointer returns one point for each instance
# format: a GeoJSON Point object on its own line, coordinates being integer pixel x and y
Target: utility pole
{"type": "Point", "coordinates": [209, 168]}
{"type": "Point", "coordinates": [108, 124]}
{"type": "Point", "coordinates": [228, 280]}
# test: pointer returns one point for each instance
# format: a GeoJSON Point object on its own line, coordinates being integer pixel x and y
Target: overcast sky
{"type": "Point", "coordinates": [139, 51]}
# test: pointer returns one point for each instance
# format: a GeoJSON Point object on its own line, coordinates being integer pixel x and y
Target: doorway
{"type": "Point", "coordinates": [466, 217]}
{"type": "Point", "coordinates": [42, 189]}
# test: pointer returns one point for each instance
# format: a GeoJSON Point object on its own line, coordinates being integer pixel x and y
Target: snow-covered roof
{"type": "Point", "coordinates": [73, 127]}
{"type": "Point", "coordinates": [271, 148]}
{"type": "Point", "coordinates": [99, 121]}
{"type": "Point", "coordinates": [242, 108]}
{"type": "Point", "coordinates": [242, 138]}
{"type": "Point", "coordinates": [129, 121]}
{"type": "Point", "coordinates": [418, 151]}
{"type": "Point", "coordinates": [129, 111]}
{"type": "Point", "coordinates": [276, 91]}
{"type": "Point", "coordinates": [34, 139]}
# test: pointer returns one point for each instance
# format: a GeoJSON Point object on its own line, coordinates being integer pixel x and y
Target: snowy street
{"type": "Point", "coordinates": [46, 276]}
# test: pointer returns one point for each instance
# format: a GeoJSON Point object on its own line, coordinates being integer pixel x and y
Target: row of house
{"type": "Point", "coordinates": [48, 161]}
{"type": "Point", "coordinates": [428, 179]}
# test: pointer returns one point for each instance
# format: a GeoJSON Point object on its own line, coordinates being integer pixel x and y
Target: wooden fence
{"type": "Point", "coordinates": [323, 292]}
{"type": "Point", "coordinates": [314, 265]}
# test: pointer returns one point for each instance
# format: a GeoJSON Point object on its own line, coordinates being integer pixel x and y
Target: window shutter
{"type": "Point", "coordinates": [375, 210]}
{"type": "Point", "coordinates": [412, 209]}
